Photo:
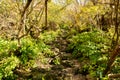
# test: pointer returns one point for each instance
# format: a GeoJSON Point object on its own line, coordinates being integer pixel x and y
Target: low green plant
{"type": "Point", "coordinates": [31, 49]}
{"type": "Point", "coordinates": [56, 61]}
{"type": "Point", "coordinates": [28, 52]}
{"type": "Point", "coordinates": [92, 46]}
{"type": "Point", "coordinates": [7, 65]}
{"type": "Point", "coordinates": [49, 36]}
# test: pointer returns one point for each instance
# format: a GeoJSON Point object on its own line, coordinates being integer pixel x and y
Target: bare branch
{"type": "Point", "coordinates": [26, 33]}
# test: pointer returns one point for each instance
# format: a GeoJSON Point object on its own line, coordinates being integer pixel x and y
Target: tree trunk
{"type": "Point", "coordinates": [46, 1]}
{"type": "Point", "coordinates": [112, 58]}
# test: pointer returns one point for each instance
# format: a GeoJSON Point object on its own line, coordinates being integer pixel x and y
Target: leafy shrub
{"type": "Point", "coordinates": [92, 46]}
{"type": "Point", "coordinates": [7, 65]}
{"type": "Point", "coordinates": [29, 51]}
{"type": "Point", "coordinates": [49, 36]}
{"type": "Point", "coordinates": [3, 47]}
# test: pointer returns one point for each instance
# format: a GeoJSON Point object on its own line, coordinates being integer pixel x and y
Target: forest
{"type": "Point", "coordinates": [59, 39]}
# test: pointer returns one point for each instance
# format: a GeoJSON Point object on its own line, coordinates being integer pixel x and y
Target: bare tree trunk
{"type": "Point", "coordinates": [115, 38]}
{"type": "Point", "coordinates": [116, 22]}
{"type": "Point", "coordinates": [46, 1]}
{"type": "Point", "coordinates": [22, 19]}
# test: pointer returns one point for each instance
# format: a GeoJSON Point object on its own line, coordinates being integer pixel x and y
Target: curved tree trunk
{"type": "Point", "coordinates": [112, 58]}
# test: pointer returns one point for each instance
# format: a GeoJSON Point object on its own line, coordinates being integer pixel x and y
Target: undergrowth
{"type": "Point", "coordinates": [92, 47]}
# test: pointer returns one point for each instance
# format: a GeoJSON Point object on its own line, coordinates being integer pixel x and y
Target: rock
{"type": "Point", "coordinates": [78, 77]}
{"type": "Point", "coordinates": [39, 70]}
{"type": "Point", "coordinates": [89, 77]}
{"type": "Point", "coordinates": [68, 70]}
{"type": "Point", "coordinates": [77, 71]}
{"type": "Point", "coordinates": [57, 67]}
{"type": "Point", "coordinates": [67, 63]}
{"type": "Point", "coordinates": [67, 56]}
{"type": "Point", "coordinates": [68, 77]}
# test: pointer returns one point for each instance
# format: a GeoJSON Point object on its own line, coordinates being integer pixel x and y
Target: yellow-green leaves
{"type": "Point", "coordinates": [7, 65]}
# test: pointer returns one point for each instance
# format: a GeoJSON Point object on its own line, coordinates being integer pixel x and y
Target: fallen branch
{"type": "Point", "coordinates": [110, 76]}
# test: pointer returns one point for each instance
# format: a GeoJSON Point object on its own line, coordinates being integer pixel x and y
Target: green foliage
{"type": "Point", "coordinates": [6, 46]}
{"type": "Point", "coordinates": [7, 65]}
{"type": "Point", "coordinates": [45, 49]}
{"type": "Point", "coordinates": [116, 67]}
{"type": "Point", "coordinates": [49, 36]}
{"type": "Point", "coordinates": [7, 62]}
{"type": "Point", "coordinates": [54, 10]}
{"type": "Point", "coordinates": [3, 47]}
{"type": "Point", "coordinates": [28, 52]}
{"type": "Point", "coordinates": [56, 61]}
{"type": "Point", "coordinates": [92, 46]}
{"type": "Point", "coordinates": [32, 49]}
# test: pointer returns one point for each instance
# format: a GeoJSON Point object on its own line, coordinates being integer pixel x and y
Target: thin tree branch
{"type": "Point", "coordinates": [26, 33]}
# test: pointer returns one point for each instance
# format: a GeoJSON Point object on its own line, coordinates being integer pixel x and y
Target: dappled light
{"type": "Point", "coordinates": [59, 39]}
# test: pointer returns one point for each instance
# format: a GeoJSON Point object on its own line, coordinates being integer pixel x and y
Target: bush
{"type": "Point", "coordinates": [7, 65]}
{"type": "Point", "coordinates": [11, 56]}
{"type": "Point", "coordinates": [92, 46]}
{"type": "Point", "coordinates": [31, 49]}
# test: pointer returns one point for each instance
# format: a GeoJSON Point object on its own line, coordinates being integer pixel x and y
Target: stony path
{"type": "Point", "coordinates": [68, 69]}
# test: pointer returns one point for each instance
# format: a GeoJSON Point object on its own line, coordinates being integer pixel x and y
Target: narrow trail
{"type": "Point", "coordinates": [68, 69]}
